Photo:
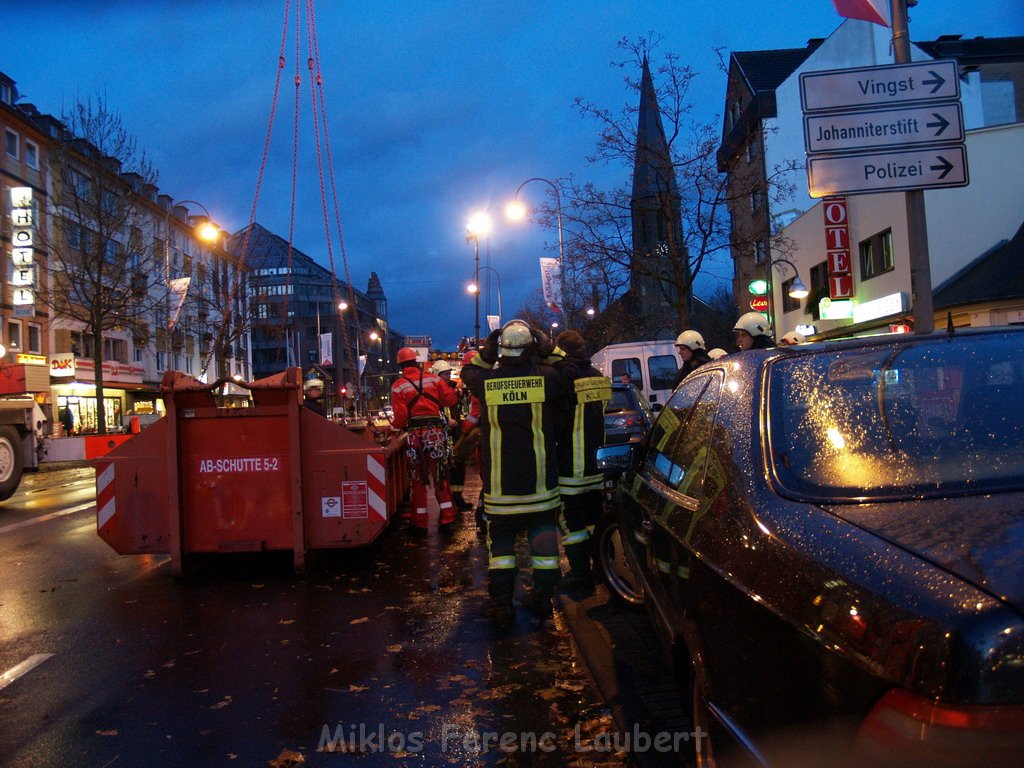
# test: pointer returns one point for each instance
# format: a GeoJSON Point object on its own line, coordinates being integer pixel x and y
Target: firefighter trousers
{"type": "Point", "coordinates": [580, 514]}
{"type": "Point", "coordinates": [542, 532]}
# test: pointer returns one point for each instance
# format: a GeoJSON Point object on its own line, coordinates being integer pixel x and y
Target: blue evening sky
{"type": "Point", "coordinates": [435, 110]}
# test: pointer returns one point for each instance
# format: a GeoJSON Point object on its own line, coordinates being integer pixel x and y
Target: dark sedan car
{"type": "Point", "coordinates": [830, 539]}
{"type": "Point", "coordinates": [627, 416]}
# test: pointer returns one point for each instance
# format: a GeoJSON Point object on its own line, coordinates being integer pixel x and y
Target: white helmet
{"type": "Point", "coordinates": [515, 337]}
{"type": "Point", "coordinates": [440, 366]}
{"type": "Point", "coordinates": [311, 383]}
{"type": "Point", "coordinates": [793, 337]}
{"type": "Point", "coordinates": [716, 353]}
{"type": "Point", "coordinates": [690, 339]}
{"type": "Point", "coordinates": [753, 323]}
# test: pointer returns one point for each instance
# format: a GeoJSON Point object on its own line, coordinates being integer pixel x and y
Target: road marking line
{"type": "Point", "coordinates": [44, 518]}
{"type": "Point", "coordinates": [18, 670]}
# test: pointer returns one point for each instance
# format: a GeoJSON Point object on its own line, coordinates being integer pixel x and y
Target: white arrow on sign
{"type": "Point", "coordinates": [895, 171]}
{"type": "Point", "coordinates": [892, 127]}
{"type": "Point", "coordinates": [893, 84]}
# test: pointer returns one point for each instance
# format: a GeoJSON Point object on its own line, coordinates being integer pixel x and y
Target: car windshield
{"type": "Point", "coordinates": [620, 401]}
{"type": "Point", "coordinates": [932, 418]}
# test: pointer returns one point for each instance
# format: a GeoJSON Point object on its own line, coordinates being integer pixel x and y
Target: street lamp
{"type": "Point", "coordinates": [798, 290]}
{"type": "Point", "coordinates": [206, 231]}
{"type": "Point", "coordinates": [479, 224]}
{"type": "Point", "coordinates": [475, 288]}
{"type": "Point", "coordinates": [516, 211]}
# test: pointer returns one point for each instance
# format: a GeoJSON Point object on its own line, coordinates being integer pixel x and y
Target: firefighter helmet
{"type": "Point", "coordinates": [516, 336]}
{"type": "Point", "coordinates": [793, 337]}
{"type": "Point", "coordinates": [313, 384]}
{"type": "Point", "coordinates": [753, 323]}
{"type": "Point", "coordinates": [690, 339]}
{"type": "Point", "coordinates": [440, 366]}
{"type": "Point", "coordinates": [716, 353]}
{"type": "Point", "coordinates": [406, 355]}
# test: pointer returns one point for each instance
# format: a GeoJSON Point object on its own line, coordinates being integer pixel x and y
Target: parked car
{"type": "Point", "coordinates": [627, 416]}
{"type": "Point", "coordinates": [830, 541]}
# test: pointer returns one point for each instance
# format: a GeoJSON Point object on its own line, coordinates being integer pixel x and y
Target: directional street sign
{"type": "Point", "coordinates": [888, 127]}
{"type": "Point", "coordinates": [889, 85]}
{"type": "Point", "coordinates": [893, 171]}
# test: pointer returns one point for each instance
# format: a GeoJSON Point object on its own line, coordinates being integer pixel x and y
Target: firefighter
{"type": "Point", "coordinates": [417, 399]}
{"type": "Point", "coordinates": [752, 331]}
{"type": "Point", "coordinates": [690, 345]}
{"type": "Point", "coordinates": [457, 467]}
{"type": "Point", "coordinates": [580, 482]}
{"type": "Point", "coordinates": [521, 394]}
{"type": "Point", "coordinates": [314, 390]}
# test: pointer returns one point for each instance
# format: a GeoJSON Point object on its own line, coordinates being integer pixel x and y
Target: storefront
{"type": "Point", "coordinates": [73, 386]}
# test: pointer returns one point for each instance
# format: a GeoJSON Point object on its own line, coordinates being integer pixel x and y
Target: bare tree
{"type": "Point", "coordinates": [601, 257]}
{"type": "Point", "coordinates": [105, 272]}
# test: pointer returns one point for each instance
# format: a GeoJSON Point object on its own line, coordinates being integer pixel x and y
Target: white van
{"type": "Point", "coordinates": [651, 365]}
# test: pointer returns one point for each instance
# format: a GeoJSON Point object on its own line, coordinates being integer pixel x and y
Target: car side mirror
{"type": "Point", "coordinates": [613, 459]}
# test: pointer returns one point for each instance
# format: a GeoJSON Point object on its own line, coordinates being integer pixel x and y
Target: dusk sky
{"type": "Point", "coordinates": [435, 110]}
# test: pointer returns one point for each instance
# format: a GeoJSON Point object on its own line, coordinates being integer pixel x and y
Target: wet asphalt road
{"type": "Point", "coordinates": [245, 664]}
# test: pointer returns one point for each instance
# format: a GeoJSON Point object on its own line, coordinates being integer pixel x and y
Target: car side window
{"type": "Point", "coordinates": [676, 448]}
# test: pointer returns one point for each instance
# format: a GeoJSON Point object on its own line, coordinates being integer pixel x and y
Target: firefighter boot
{"type": "Point", "coordinates": [499, 608]}
{"type": "Point", "coordinates": [579, 581]}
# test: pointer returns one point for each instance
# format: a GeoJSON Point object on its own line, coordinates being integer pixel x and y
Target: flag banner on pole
{"type": "Point", "coordinates": [326, 347]}
{"type": "Point", "coordinates": [551, 280]}
{"type": "Point", "coordinates": [361, 364]}
{"type": "Point", "coordinates": [493, 322]}
{"type": "Point", "coordinates": [178, 288]}
{"type": "Point", "coordinates": [875, 11]}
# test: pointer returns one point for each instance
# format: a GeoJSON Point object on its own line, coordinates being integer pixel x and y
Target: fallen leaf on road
{"type": "Point", "coordinates": [358, 688]}
{"type": "Point", "coordinates": [363, 620]}
{"type": "Point", "coordinates": [394, 648]}
{"type": "Point", "coordinates": [334, 671]}
{"type": "Point", "coordinates": [222, 703]}
{"type": "Point", "coordinates": [107, 733]}
{"type": "Point", "coordinates": [549, 693]}
{"type": "Point", "coordinates": [232, 756]}
{"type": "Point", "coordinates": [150, 673]}
{"type": "Point", "coordinates": [257, 586]}
{"type": "Point", "coordinates": [287, 759]}
{"type": "Point", "coordinates": [286, 621]}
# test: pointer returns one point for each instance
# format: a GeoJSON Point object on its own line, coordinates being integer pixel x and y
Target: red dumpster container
{"type": "Point", "coordinates": [274, 476]}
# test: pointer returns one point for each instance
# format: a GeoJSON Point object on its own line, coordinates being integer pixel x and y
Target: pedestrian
{"type": "Point", "coordinates": [752, 331]}
{"type": "Point", "coordinates": [690, 345]}
{"type": "Point", "coordinates": [580, 481]}
{"type": "Point", "coordinates": [417, 398]}
{"type": "Point", "coordinates": [522, 393]}
{"type": "Point", "coordinates": [67, 420]}
{"type": "Point", "coordinates": [314, 390]}
{"type": "Point", "coordinates": [791, 338]}
{"type": "Point", "coordinates": [625, 378]}
{"type": "Point", "coordinates": [716, 353]}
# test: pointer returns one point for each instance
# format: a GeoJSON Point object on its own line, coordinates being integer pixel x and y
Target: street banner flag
{"type": "Point", "coordinates": [179, 288]}
{"type": "Point", "coordinates": [360, 365]}
{"type": "Point", "coordinates": [326, 345]}
{"type": "Point", "coordinates": [551, 280]}
{"type": "Point", "coordinates": [493, 322]}
{"type": "Point", "coordinates": [875, 11]}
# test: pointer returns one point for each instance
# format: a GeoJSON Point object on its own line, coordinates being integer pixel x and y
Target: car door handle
{"type": "Point", "coordinates": [671, 494]}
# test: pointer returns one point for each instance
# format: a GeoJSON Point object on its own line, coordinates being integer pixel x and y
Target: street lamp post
{"type": "Point", "coordinates": [475, 288]}
{"type": "Point", "coordinates": [479, 224]}
{"type": "Point", "coordinates": [797, 291]}
{"type": "Point", "coordinates": [516, 210]}
{"type": "Point", "coordinates": [206, 231]}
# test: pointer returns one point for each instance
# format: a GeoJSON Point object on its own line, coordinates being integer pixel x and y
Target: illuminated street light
{"type": "Point", "coordinates": [516, 211]}
{"type": "Point", "coordinates": [479, 224]}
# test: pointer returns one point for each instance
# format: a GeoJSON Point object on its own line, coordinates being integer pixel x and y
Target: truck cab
{"type": "Point", "coordinates": [651, 366]}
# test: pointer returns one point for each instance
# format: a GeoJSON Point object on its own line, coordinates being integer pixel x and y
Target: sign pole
{"type": "Point", "coordinates": [917, 227]}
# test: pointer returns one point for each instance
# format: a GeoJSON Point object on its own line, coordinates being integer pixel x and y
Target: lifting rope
{"type": "Point", "coordinates": [318, 102]}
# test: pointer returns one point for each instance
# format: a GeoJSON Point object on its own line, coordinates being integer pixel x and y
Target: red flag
{"type": "Point", "coordinates": [875, 11]}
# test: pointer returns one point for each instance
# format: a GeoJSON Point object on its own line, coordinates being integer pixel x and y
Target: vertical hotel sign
{"type": "Point", "coordinates": [837, 247]}
{"type": "Point", "coordinates": [22, 239]}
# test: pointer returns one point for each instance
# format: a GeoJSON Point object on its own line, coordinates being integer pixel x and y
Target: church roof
{"type": "Point", "coordinates": [653, 172]}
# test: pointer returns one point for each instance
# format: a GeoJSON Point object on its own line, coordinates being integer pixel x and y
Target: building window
{"type": "Point", "coordinates": [32, 154]}
{"type": "Point", "coordinates": [189, 365]}
{"type": "Point", "coordinates": [35, 339]}
{"type": "Point", "coordinates": [115, 350]}
{"type": "Point", "coordinates": [876, 255]}
{"type": "Point", "coordinates": [761, 251]}
{"type": "Point", "coordinates": [137, 354]}
{"type": "Point", "coordinates": [11, 143]}
{"type": "Point", "coordinates": [818, 289]}
{"type": "Point", "coordinates": [788, 302]}
{"type": "Point", "coordinates": [14, 334]}
{"type": "Point", "coordinates": [161, 361]}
